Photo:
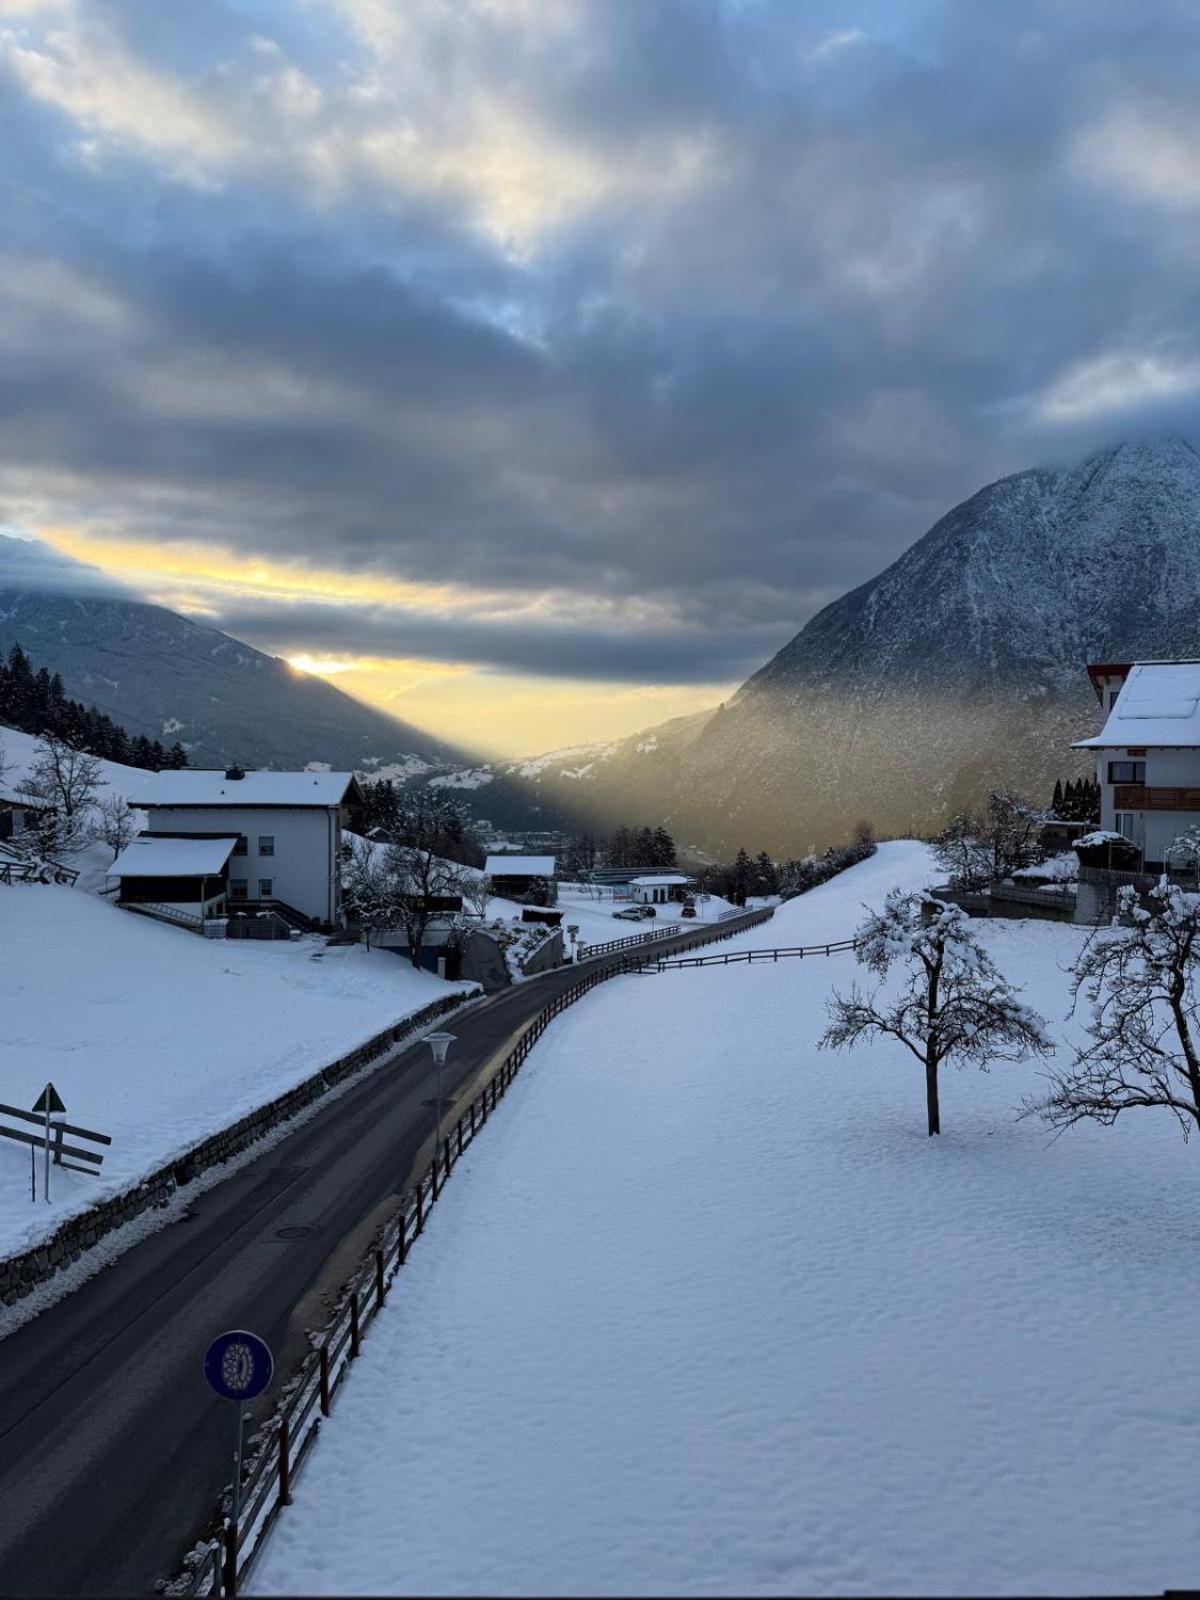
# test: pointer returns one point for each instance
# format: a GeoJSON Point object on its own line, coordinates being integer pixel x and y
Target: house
{"type": "Point", "coordinates": [18, 812]}
{"type": "Point", "coordinates": [513, 876]}
{"type": "Point", "coordinates": [285, 828]}
{"type": "Point", "coordinates": [658, 888]}
{"type": "Point", "coordinates": [1148, 752]}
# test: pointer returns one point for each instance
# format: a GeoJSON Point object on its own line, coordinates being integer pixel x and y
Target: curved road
{"type": "Point", "coordinates": [112, 1447]}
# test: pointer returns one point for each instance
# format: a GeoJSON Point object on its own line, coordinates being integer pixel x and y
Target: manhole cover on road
{"type": "Point", "coordinates": [298, 1231]}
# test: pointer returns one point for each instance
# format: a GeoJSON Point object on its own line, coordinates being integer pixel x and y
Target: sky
{"type": "Point", "coordinates": [536, 368]}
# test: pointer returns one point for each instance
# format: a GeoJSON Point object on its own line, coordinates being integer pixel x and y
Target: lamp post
{"type": "Point", "coordinates": [439, 1043]}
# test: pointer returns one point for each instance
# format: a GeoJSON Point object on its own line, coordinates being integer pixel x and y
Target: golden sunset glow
{"type": "Point", "coordinates": [484, 709]}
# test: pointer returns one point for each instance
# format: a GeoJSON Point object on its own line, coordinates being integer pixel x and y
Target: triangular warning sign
{"type": "Point", "coordinates": [48, 1100]}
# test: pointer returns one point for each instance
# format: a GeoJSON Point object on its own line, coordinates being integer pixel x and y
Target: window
{"type": "Point", "coordinates": [1126, 772]}
{"type": "Point", "coordinates": [1112, 697]}
{"type": "Point", "coordinates": [266, 888]}
{"type": "Point", "coordinates": [237, 888]}
{"type": "Point", "coordinates": [266, 844]}
{"type": "Point", "coordinates": [239, 848]}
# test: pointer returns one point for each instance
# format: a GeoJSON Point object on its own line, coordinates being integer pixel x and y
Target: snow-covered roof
{"type": "Point", "coordinates": [660, 880]}
{"type": "Point", "coordinates": [1159, 704]}
{"type": "Point", "coordinates": [205, 788]}
{"type": "Point", "coordinates": [152, 856]}
{"type": "Point", "coordinates": [521, 866]}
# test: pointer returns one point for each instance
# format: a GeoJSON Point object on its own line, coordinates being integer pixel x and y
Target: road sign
{"type": "Point", "coordinates": [238, 1365]}
{"type": "Point", "coordinates": [47, 1102]}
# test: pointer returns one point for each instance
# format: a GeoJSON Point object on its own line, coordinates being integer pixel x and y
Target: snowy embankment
{"type": "Point", "coordinates": [749, 1330]}
{"type": "Point", "coordinates": [159, 1038]}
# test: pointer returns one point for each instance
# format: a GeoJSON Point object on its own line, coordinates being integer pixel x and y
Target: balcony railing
{"type": "Point", "coordinates": [1139, 797]}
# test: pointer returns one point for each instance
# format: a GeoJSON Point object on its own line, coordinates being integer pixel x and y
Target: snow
{"type": "Point", "coordinates": [213, 788]}
{"type": "Point", "coordinates": [521, 866]}
{"type": "Point", "coordinates": [706, 1312]}
{"type": "Point", "coordinates": [153, 857]}
{"type": "Point", "coordinates": [159, 1038]}
{"type": "Point", "coordinates": [474, 778]}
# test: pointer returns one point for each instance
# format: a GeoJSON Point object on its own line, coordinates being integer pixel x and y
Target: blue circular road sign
{"type": "Point", "coordinates": [238, 1365]}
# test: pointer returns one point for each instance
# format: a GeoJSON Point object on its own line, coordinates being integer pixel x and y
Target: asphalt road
{"type": "Point", "coordinates": [112, 1446]}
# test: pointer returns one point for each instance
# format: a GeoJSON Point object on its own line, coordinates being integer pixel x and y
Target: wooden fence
{"type": "Point", "coordinates": [222, 1562]}
{"type": "Point", "coordinates": [57, 1145]}
{"type": "Point", "coordinates": [36, 872]}
{"type": "Point", "coordinates": [733, 958]}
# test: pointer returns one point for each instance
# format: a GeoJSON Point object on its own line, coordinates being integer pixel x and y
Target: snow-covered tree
{"type": "Point", "coordinates": [62, 781]}
{"type": "Point", "coordinates": [1182, 853]}
{"type": "Point", "coordinates": [1139, 978]}
{"type": "Point", "coordinates": [976, 851]}
{"type": "Point", "coordinates": [477, 891]}
{"type": "Point", "coordinates": [950, 1005]}
{"type": "Point", "coordinates": [370, 894]}
{"type": "Point", "coordinates": [116, 823]}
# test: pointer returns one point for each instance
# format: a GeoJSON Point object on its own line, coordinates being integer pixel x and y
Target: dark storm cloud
{"type": "Point", "coordinates": [713, 307]}
{"type": "Point", "coordinates": [695, 655]}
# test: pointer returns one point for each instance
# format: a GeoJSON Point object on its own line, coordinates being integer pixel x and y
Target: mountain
{"type": "Point", "coordinates": [960, 667]}
{"type": "Point", "coordinates": [160, 674]}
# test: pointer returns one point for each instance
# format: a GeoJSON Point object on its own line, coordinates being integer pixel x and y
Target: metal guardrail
{"type": "Point", "coordinates": [221, 1563]}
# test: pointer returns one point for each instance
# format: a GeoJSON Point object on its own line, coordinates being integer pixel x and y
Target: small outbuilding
{"type": "Point", "coordinates": [660, 888]}
{"type": "Point", "coordinates": [183, 879]}
{"type": "Point", "coordinates": [517, 877]}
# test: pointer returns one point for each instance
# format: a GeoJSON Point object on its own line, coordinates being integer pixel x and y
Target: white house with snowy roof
{"type": "Point", "coordinates": [221, 842]}
{"type": "Point", "coordinates": [1148, 752]}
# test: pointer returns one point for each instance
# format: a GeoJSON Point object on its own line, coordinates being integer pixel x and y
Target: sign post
{"type": "Point", "coordinates": [48, 1101]}
{"type": "Point", "coordinates": [238, 1366]}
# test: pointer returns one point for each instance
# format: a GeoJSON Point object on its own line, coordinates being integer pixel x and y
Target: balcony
{"type": "Point", "coordinates": [1140, 797]}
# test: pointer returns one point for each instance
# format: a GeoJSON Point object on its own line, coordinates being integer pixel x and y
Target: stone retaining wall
{"type": "Point", "coordinates": [20, 1274]}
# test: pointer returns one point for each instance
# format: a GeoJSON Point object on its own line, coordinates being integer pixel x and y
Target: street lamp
{"type": "Point", "coordinates": [439, 1043]}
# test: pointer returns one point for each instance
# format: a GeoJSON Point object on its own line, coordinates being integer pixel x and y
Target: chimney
{"type": "Point", "coordinates": [234, 774]}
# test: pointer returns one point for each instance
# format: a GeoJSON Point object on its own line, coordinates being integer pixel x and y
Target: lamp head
{"type": "Point", "coordinates": [439, 1043]}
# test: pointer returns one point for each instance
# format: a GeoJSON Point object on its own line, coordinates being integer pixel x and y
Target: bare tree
{"type": "Point", "coordinates": [477, 892]}
{"type": "Point", "coordinates": [1139, 979]}
{"type": "Point", "coordinates": [976, 851]}
{"type": "Point", "coordinates": [422, 879]}
{"type": "Point", "coordinates": [63, 782]}
{"type": "Point", "coordinates": [116, 823]}
{"type": "Point", "coordinates": [952, 1004]}
{"type": "Point", "coordinates": [370, 893]}
{"type": "Point", "coordinates": [961, 853]}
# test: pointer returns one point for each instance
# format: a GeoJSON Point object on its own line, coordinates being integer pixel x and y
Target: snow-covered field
{"type": "Point", "coordinates": [705, 1311]}
{"type": "Point", "coordinates": [159, 1038]}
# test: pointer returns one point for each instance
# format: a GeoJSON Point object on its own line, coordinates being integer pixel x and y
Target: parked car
{"type": "Point", "coordinates": [634, 913]}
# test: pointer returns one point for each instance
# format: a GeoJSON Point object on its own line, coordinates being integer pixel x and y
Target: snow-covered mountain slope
{"type": "Point", "coordinates": [959, 667]}
{"type": "Point", "coordinates": [163, 675]}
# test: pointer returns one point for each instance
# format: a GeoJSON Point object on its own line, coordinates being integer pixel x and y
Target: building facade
{"type": "Point", "coordinates": [1148, 752]}
{"type": "Point", "coordinates": [286, 827]}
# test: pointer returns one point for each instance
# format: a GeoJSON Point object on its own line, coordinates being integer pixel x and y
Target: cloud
{"type": "Point", "coordinates": [646, 328]}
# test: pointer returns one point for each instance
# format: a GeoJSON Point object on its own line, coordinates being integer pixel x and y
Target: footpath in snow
{"type": "Point", "coordinates": [160, 1038]}
{"type": "Point", "coordinates": [705, 1311]}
